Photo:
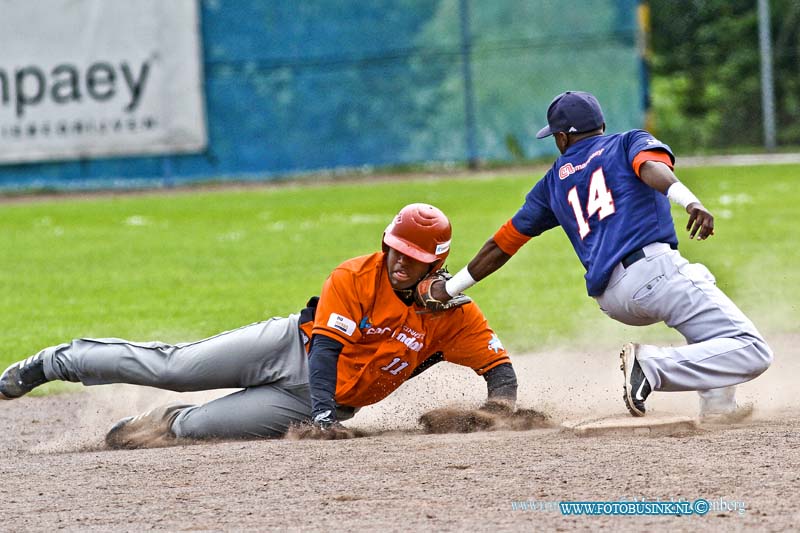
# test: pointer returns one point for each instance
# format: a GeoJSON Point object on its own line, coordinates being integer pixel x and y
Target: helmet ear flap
{"type": "Point", "coordinates": [436, 266]}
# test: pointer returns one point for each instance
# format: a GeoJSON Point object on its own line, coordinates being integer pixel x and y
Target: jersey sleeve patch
{"type": "Point", "coordinates": [651, 155]}
{"type": "Point", "coordinates": [509, 239]}
{"type": "Point", "coordinates": [341, 323]}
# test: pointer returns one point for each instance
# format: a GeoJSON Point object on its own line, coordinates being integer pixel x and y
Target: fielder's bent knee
{"type": "Point", "coordinates": [762, 358]}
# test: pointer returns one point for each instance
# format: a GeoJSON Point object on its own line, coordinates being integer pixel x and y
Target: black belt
{"type": "Point", "coordinates": [632, 257]}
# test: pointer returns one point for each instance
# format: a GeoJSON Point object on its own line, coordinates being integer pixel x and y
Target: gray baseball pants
{"type": "Point", "coordinates": [724, 347]}
{"type": "Point", "coordinates": [266, 360]}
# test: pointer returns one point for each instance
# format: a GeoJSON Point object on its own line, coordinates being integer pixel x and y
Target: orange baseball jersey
{"type": "Point", "coordinates": [385, 339]}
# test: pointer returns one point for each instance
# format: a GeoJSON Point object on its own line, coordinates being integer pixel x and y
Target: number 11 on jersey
{"type": "Point", "coordinates": [600, 201]}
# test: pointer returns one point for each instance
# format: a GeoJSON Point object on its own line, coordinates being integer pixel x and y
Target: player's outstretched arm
{"type": "Point", "coordinates": [488, 259]}
{"type": "Point", "coordinates": [660, 177]}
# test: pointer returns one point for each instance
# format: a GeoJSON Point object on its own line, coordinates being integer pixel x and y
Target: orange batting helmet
{"type": "Point", "coordinates": [420, 231]}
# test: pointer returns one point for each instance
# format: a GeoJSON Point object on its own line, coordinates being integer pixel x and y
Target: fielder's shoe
{"type": "Point", "coordinates": [636, 387]}
{"type": "Point", "coordinates": [22, 377]}
{"type": "Point", "coordinates": [739, 413]}
{"type": "Point", "coordinates": [152, 429]}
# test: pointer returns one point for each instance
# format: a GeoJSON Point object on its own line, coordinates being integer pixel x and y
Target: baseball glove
{"type": "Point", "coordinates": [424, 298]}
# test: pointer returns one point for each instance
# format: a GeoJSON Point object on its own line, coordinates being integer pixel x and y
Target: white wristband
{"type": "Point", "coordinates": [459, 283]}
{"type": "Point", "coordinates": [681, 195]}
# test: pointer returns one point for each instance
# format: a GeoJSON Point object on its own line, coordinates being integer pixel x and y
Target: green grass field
{"type": "Point", "coordinates": [184, 265]}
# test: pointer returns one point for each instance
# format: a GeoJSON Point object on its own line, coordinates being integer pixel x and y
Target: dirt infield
{"type": "Point", "coordinates": [57, 474]}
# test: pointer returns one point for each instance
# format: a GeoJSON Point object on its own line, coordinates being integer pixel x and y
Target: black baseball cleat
{"type": "Point", "coordinates": [22, 377]}
{"type": "Point", "coordinates": [636, 387]}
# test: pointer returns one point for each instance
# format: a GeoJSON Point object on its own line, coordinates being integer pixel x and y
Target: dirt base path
{"type": "Point", "coordinates": [57, 475]}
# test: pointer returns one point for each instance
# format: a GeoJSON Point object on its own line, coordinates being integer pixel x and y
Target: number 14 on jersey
{"type": "Point", "coordinates": [600, 201]}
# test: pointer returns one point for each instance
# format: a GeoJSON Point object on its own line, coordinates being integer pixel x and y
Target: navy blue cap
{"type": "Point", "coordinates": [572, 112]}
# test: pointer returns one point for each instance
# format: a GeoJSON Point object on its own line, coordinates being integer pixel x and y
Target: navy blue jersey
{"type": "Point", "coordinates": [607, 212]}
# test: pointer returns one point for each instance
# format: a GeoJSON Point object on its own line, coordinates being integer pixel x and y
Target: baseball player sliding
{"type": "Point", "coordinates": [351, 347]}
{"type": "Point", "coordinates": [611, 194]}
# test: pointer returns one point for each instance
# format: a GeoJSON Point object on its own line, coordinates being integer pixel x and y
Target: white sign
{"type": "Point", "coordinates": [94, 78]}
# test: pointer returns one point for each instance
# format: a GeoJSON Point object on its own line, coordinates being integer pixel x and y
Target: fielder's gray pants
{"type": "Point", "coordinates": [724, 346]}
{"type": "Point", "coordinates": [266, 360]}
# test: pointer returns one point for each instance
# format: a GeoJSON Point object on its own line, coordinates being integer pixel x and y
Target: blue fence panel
{"type": "Point", "coordinates": [294, 87]}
